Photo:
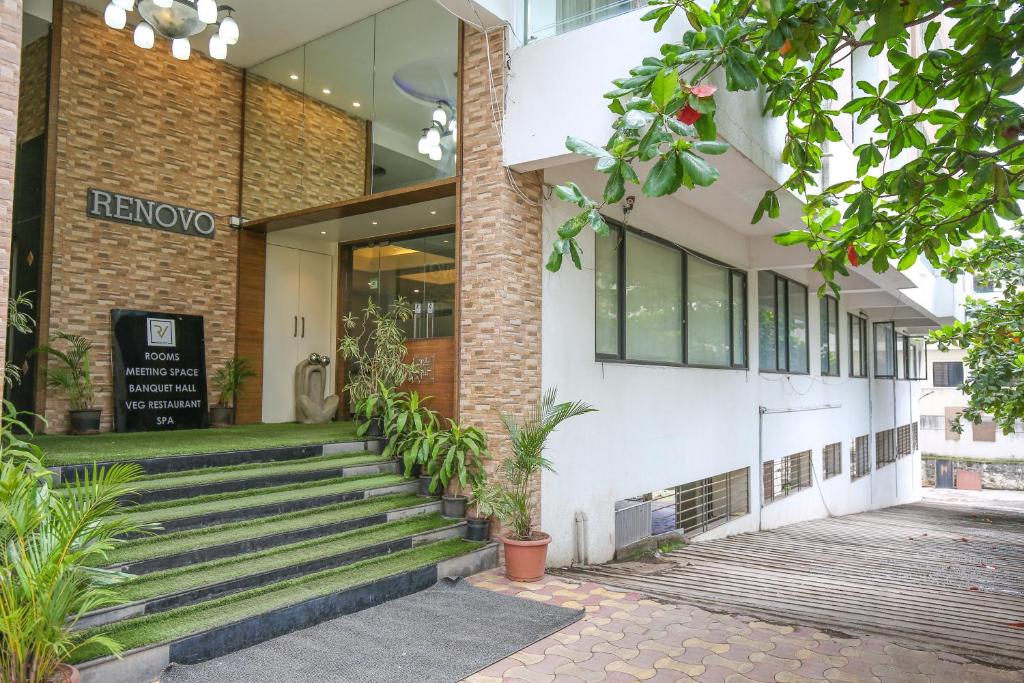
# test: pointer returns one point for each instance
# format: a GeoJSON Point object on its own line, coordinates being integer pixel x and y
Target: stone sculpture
{"type": "Point", "coordinates": [311, 407]}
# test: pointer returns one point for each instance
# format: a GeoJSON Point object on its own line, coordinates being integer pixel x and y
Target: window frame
{"type": "Point", "coordinates": [862, 327]}
{"type": "Point", "coordinates": [860, 457]}
{"type": "Point", "coordinates": [910, 339]}
{"type": "Point", "coordinates": [832, 460]}
{"type": "Point", "coordinates": [946, 385]}
{"type": "Point", "coordinates": [826, 303]}
{"type": "Point", "coordinates": [807, 312]}
{"type": "Point", "coordinates": [618, 230]}
{"type": "Point", "coordinates": [875, 326]}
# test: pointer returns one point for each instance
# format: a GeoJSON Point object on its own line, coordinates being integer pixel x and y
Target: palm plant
{"type": "Point", "coordinates": [20, 320]}
{"type": "Point", "coordinates": [72, 376]}
{"type": "Point", "coordinates": [229, 378]}
{"type": "Point", "coordinates": [510, 498]}
{"type": "Point", "coordinates": [53, 542]}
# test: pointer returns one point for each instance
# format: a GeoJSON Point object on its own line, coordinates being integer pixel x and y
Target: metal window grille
{"type": "Point", "coordinates": [632, 521]}
{"type": "Point", "coordinates": [935, 423]}
{"type": "Point", "coordinates": [915, 433]}
{"type": "Point", "coordinates": [786, 476]}
{"type": "Point", "coordinates": [860, 457]}
{"type": "Point", "coordinates": [832, 459]}
{"type": "Point", "coordinates": [885, 448]}
{"type": "Point", "coordinates": [904, 439]}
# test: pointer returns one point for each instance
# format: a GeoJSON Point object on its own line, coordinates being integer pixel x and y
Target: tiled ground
{"type": "Point", "coordinates": [625, 637]}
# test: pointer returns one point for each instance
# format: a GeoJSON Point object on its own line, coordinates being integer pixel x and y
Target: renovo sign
{"type": "Point", "coordinates": [159, 371]}
{"type": "Point", "coordinates": [147, 213]}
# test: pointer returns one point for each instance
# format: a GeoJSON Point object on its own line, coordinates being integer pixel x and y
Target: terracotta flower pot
{"type": "Point", "coordinates": [65, 673]}
{"type": "Point", "coordinates": [525, 560]}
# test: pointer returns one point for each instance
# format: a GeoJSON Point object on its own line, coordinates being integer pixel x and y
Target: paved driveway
{"type": "Point", "coordinates": [944, 575]}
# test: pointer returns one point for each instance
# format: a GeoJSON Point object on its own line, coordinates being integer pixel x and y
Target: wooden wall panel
{"type": "Point", "coordinates": [439, 354]}
{"type": "Point", "coordinates": [252, 267]}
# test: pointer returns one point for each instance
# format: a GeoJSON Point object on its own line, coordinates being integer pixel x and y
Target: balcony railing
{"type": "Point", "coordinates": [545, 18]}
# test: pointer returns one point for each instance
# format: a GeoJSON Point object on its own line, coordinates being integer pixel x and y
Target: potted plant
{"type": "Point", "coordinates": [478, 524]}
{"type": "Point", "coordinates": [54, 578]}
{"type": "Point", "coordinates": [526, 550]}
{"type": "Point", "coordinates": [72, 376]}
{"type": "Point", "coordinates": [374, 346]}
{"type": "Point", "coordinates": [456, 464]}
{"type": "Point", "coordinates": [410, 429]}
{"type": "Point", "coordinates": [228, 382]}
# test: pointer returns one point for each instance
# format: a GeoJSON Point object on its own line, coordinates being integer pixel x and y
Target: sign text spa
{"type": "Point", "coordinates": [123, 208]}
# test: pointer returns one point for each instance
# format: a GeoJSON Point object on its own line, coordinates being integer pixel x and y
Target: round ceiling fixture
{"type": "Point", "coordinates": [177, 21]}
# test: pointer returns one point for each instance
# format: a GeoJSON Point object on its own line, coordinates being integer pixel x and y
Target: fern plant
{"type": "Point", "coordinates": [20, 320]}
{"type": "Point", "coordinates": [229, 378]}
{"type": "Point", "coordinates": [73, 374]}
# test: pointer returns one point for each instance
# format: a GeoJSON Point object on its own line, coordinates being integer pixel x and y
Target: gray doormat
{"type": "Point", "coordinates": [442, 634]}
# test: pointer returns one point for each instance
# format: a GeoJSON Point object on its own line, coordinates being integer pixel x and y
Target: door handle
{"type": "Point", "coordinates": [295, 327]}
{"type": "Point", "coordinates": [303, 327]}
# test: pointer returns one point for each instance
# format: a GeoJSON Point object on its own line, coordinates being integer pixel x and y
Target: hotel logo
{"type": "Point", "coordinates": [160, 332]}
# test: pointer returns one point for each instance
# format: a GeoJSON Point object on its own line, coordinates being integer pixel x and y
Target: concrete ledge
{"type": "Point", "coordinates": [144, 665]}
{"type": "Point", "coordinates": [110, 615]}
{"type": "Point", "coordinates": [425, 508]}
{"type": "Point", "coordinates": [471, 563]}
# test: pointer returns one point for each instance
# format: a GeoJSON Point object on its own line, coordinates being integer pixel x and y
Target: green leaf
{"type": "Point", "coordinates": [888, 21]}
{"type": "Point", "coordinates": [930, 33]}
{"type": "Point", "coordinates": [597, 223]}
{"type": "Point", "coordinates": [697, 169]}
{"type": "Point", "coordinates": [711, 147]}
{"type": "Point", "coordinates": [664, 178]}
{"type": "Point", "coordinates": [792, 237]}
{"type": "Point", "coordinates": [615, 188]}
{"type": "Point", "coordinates": [583, 147]}
{"type": "Point", "coordinates": [570, 192]}
{"type": "Point", "coordinates": [664, 88]}
{"type": "Point", "coordinates": [908, 259]}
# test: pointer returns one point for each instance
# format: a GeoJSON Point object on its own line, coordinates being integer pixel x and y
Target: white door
{"type": "Point", "coordinates": [298, 321]}
{"type": "Point", "coordinates": [316, 308]}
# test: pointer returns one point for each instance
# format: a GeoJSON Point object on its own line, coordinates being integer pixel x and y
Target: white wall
{"type": "Point", "coordinates": [661, 426]}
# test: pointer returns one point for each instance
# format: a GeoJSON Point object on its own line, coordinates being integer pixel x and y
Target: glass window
{"type": "Point", "coordinates": [885, 351]}
{"type": "Point", "coordinates": [829, 312]}
{"type": "Point", "coordinates": [606, 254]}
{"type": "Point", "coordinates": [901, 356]}
{"type": "Point", "coordinates": [858, 346]}
{"type": "Point", "coordinates": [654, 301]}
{"type": "Point", "coordinates": [782, 313]}
{"type": "Point", "coordinates": [767, 330]}
{"type": "Point", "coordinates": [916, 365]}
{"type": "Point", "coordinates": [947, 374]}
{"type": "Point", "coordinates": [710, 305]}
{"type": "Point", "coordinates": [708, 313]}
{"type": "Point", "coordinates": [739, 319]}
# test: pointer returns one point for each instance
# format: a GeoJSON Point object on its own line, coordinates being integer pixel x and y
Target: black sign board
{"type": "Point", "coordinates": [148, 213]}
{"type": "Point", "coordinates": [159, 371]}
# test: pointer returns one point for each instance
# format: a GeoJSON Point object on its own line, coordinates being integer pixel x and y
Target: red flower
{"type": "Point", "coordinates": [851, 254]}
{"type": "Point", "coordinates": [786, 47]}
{"type": "Point", "coordinates": [688, 115]}
{"type": "Point", "coordinates": [703, 90]}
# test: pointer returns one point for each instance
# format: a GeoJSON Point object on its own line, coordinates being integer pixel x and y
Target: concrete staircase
{"type": "Point", "coordinates": [252, 545]}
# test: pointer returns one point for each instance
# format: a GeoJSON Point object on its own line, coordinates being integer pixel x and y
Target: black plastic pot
{"type": "Point", "coordinates": [221, 416]}
{"type": "Point", "coordinates": [85, 421]}
{"type": "Point", "coordinates": [376, 428]}
{"type": "Point", "coordinates": [453, 507]}
{"type": "Point", "coordinates": [478, 529]}
{"type": "Point", "coordinates": [425, 485]}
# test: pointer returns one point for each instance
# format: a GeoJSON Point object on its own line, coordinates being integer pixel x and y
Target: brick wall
{"type": "Point", "coordinates": [501, 260]}
{"type": "Point", "coordinates": [140, 122]}
{"type": "Point", "coordinates": [10, 61]}
{"type": "Point", "coordinates": [35, 76]}
{"type": "Point", "coordinates": [299, 152]}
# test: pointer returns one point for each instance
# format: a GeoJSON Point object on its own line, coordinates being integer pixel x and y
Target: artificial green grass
{"type": "Point", "coordinates": [255, 470]}
{"type": "Point", "coordinates": [74, 450]}
{"type": "Point", "coordinates": [237, 500]}
{"type": "Point", "coordinates": [210, 573]}
{"type": "Point", "coordinates": [169, 626]}
{"type": "Point", "coordinates": [195, 539]}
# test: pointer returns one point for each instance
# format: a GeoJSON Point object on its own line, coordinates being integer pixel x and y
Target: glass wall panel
{"type": "Point", "coordinates": [343, 115]}
{"type": "Point", "coordinates": [654, 301]}
{"type": "Point", "coordinates": [739, 319]}
{"type": "Point", "coordinates": [708, 314]}
{"type": "Point", "coordinates": [546, 18]}
{"type": "Point", "coordinates": [798, 359]}
{"type": "Point", "coordinates": [767, 338]}
{"type": "Point", "coordinates": [606, 255]}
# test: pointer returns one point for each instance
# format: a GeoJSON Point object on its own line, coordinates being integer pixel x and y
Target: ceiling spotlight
{"type": "Point", "coordinates": [294, 77]}
{"type": "Point", "coordinates": [373, 222]}
{"type": "Point", "coordinates": [326, 91]}
{"type": "Point", "coordinates": [323, 232]}
{"type": "Point", "coordinates": [433, 213]}
{"type": "Point", "coordinates": [356, 104]}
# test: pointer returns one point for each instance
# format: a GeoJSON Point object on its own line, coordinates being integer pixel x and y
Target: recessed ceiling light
{"type": "Point", "coordinates": [415, 291]}
{"type": "Point", "coordinates": [294, 77]}
{"type": "Point", "coordinates": [323, 232]}
{"type": "Point", "coordinates": [433, 213]}
{"type": "Point", "coordinates": [373, 222]}
{"type": "Point", "coordinates": [356, 104]}
{"type": "Point", "coordinates": [326, 91]}
{"type": "Point", "coordinates": [446, 241]}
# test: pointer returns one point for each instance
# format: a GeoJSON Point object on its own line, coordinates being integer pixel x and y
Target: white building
{"type": "Point", "coordinates": [706, 422]}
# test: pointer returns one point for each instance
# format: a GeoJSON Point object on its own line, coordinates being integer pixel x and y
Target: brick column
{"type": "Point", "coordinates": [500, 257]}
{"type": "Point", "coordinates": [10, 67]}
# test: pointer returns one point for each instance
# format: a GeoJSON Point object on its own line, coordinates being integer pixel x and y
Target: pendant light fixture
{"type": "Point", "coordinates": [439, 137]}
{"type": "Point", "coordinates": [177, 21]}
